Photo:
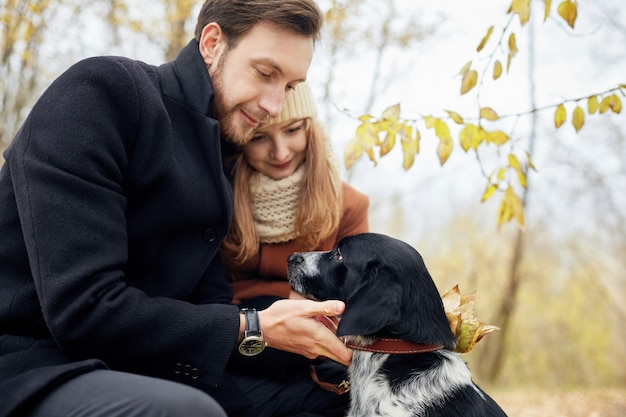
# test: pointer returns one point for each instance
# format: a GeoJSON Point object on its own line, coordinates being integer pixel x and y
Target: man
{"type": "Point", "coordinates": [113, 204]}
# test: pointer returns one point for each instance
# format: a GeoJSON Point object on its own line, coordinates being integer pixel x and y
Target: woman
{"type": "Point", "coordinates": [288, 198]}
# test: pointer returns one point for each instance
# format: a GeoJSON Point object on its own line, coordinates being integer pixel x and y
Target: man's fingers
{"type": "Point", "coordinates": [329, 308]}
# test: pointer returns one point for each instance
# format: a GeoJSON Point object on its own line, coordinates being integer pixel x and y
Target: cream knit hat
{"type": "Point", "coordinates": [298, 105]}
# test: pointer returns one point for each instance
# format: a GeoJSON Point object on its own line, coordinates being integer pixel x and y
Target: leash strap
{"type": "Point", "coordinates": [339, 389]}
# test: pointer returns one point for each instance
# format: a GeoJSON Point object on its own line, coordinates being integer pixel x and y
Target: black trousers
{"type": "Point", "coordinates": [298, 397]}
{"type": "Point", "coordinates": [106, 393]}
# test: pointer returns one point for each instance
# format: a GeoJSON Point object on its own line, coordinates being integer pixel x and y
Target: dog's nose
{"type": "Point", "coordinates": [295, 258]}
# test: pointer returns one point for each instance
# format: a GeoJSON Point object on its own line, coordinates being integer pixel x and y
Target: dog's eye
{"type": "Point", "coordinates": [338, 256]}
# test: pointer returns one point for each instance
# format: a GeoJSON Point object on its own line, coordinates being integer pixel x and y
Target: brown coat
{"type": "Point", "coordinates": [266, 273]}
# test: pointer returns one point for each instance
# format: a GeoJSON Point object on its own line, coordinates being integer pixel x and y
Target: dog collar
{"type": "Point", "coordinates": [395, 347]}
{"type": "Point", "coordinates": [384, 345]}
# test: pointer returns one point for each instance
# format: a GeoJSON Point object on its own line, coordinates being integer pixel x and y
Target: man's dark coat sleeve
{"type": "Point", "coordinates": [113, 203]}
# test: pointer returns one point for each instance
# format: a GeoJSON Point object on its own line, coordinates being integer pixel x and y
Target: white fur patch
{"type": "Point", "coordinates": [372, 395]}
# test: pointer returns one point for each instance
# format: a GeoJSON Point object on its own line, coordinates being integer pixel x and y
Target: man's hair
{"type": "Point", "coordinates": [236, 17]}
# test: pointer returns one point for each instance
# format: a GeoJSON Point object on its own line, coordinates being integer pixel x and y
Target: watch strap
{"type": "Point", "coordinates": [253, 326]}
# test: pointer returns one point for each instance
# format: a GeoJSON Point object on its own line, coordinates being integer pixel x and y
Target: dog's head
{"type": "Point", "coordinates": [384, 283]}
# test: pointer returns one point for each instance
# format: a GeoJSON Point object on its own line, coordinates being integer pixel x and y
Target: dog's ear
{"type": "Point", "coordinates": [372, 304]}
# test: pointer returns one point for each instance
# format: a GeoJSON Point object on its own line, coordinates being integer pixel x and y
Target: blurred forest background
{"type": "Point", "coordinates": [557, 288]}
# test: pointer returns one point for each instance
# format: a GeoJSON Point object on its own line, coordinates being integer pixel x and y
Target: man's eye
{"type": "Point", "coordinates": [264, 74]}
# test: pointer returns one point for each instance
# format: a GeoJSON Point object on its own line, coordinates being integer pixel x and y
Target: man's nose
{"type": "Point", "coordinates": [272, 101]}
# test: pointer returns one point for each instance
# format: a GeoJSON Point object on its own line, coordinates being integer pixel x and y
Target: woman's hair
{"type": "Point", "coordinates": [236, 17]}
{"type": "Point", "coordinates": [319, 203]}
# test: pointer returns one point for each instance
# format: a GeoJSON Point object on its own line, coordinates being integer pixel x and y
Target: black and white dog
{"type": "Point", "coordinates": [403, 363]}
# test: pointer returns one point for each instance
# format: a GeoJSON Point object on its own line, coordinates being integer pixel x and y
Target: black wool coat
{"type": "Point", "coordinates": [113, 203]}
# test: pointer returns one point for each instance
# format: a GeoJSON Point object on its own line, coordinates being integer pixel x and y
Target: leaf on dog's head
{"type": "Point", "coordinates": [463, 322]}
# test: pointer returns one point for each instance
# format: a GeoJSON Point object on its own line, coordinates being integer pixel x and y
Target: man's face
{"type": "Point", "coordinates": [252, 79]}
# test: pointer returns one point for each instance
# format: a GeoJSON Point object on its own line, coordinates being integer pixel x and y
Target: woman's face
{"type": "Point", "coordinates": [277, 150]}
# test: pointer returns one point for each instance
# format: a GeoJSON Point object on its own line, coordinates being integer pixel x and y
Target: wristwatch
{"type": "Point", "coordinates": [252, 343]}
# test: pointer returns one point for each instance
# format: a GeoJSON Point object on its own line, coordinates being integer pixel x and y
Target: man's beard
{"type": "Point", "coordinates": [227, 117]}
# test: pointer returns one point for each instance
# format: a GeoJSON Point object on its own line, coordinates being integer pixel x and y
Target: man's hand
{"type": "Point", "coordinates": [291, 325]}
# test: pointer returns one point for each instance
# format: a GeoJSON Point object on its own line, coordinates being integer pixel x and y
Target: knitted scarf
{"type": "Point", "coordinates": [274, 204]}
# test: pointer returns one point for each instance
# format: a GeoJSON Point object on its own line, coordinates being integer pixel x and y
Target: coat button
{"type": "Point", "coordinates": [194, 373]}
{"type": "Point", "coordinates": [178, 368]}
{"type": "Point", "coordinates": [209, 235]}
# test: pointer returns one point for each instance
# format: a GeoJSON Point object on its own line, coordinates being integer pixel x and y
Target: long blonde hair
{"type": "Point", "coordinates": [319, 203]}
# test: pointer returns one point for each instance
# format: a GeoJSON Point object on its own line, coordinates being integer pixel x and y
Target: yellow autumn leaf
{"type": "Point", "coordinates": [578, 118]}
{"type": "Point", "coordinates": [517, 207]}
{"type": "Point", "coordinates": [470, 78]}
{"type": "Point", "coordinates": [497, 69]}
{"type": "Point", "coordinates": [560, 116]}
{"type": "Point", "coordinates": [407, 135]}
{"type": "Point", "coordinates": [455, 116]}
{"type": "Point", "coordinates": [491, 188]}
{"type": "Point", "coordinates": [392, 112]}
{"type": "Point", "coordinates": [444, 149]}
{"type": "Point", "coordinates": [522, 8]}
{"type": "Point", "coordinates": [408, 158]}
{"type": "Point", "coordinates": [441, 130]}
{"type": "Point", "coordinates": [479, 137]}
{"type": "Point", "coordinates": [429, 121]}
{"type": "Point", "coordinates": [505, 213]}
{"type": "Point", "coordinates": [512, 45]}
{"type": "Point", "coordinates": [367, 134]}
{"type": "Point", "coordinates": [592, 104]}
{"type": "Point", "coordinates": [615, 104]}
{"type": "Point", "coordinates": [388, 143]}
{"type": "Point", "coordinates": [498, 137]}
{"type": "Point", "coordinates": [465, 68]}
{"type": "Point", "coordinates": [514, 163]}
{"type": "Point", "coordinates": [522, 179]}
{"type": "Point", "coordinates": [471, 136]}
{"type": "Point", "coordinates": [605, 105]}
{"type": "Point", "coordinates": [485, 39]}
{"type": "Point", "coordinates": [367, 137]}
{"type": "Point", "coordinates": [546, 12]}
{"type": "Point", "coordinates": [352, 152]}
{"type": "Point", "coordinates": [511, 208]}
{"type": "Point", "coordinates": [466, 327]}
{"type": "Point", "coordinates": [466, 136]}
{"type": "Point", "coordinates": [501, 174]}
{"type": "Point", "coordinates": [489, 114]}
{"type": "Point", "coordinates": [568, 11]}
{"type": "Point", "coordinates": [409, 149]}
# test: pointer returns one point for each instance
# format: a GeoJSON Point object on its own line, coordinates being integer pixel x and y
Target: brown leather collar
{"type": "Point", "coordinates": [395, 347]}
{"type": "Point", "coordinates": [384, 345]}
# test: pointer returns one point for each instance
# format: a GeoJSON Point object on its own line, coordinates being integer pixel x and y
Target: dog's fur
{"type": "Point", "coordinates": [389, 293]}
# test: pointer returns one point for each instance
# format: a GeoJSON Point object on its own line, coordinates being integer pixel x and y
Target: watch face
{"type": "Point", "coordinates": [252, 345]}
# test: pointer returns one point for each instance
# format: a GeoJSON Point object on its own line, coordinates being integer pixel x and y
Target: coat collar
{"type": "Point", "coordinates": [187, 80]}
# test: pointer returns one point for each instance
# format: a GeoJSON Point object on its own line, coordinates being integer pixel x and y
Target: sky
{"type": "Point", "coordinates": [427, 83]}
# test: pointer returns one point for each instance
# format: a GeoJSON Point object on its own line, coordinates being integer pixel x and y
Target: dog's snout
{"type": "Point", "coordinates": [295, 257]}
